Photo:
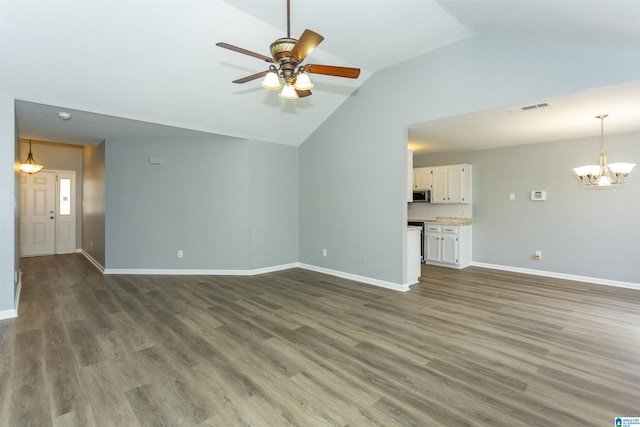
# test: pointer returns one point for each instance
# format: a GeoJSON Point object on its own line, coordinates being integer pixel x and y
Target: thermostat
{"type": "Point", "coordinates": [538, 195]}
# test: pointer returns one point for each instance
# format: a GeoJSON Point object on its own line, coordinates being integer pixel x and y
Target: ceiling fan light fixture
{"type": "Point", "coordinates": [288, 92]}
{"type": "Point", "coordinates": [30, 165]}
{"type": "Point", "coordinates": [303, 82]}
{"type": "Point", "coordinates": [271, 81]}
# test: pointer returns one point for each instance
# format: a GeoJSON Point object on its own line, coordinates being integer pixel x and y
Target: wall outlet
{"type": "Point", "coordinates": [180, 253]}
{"type": "Point", "coordinates": [512, 196]}
{"type": "Point", "coordinates": [538, 254]}
{"type": "Point", "coordinates": [324, 252]}
{"type": "Point", "coordinates": [364, 259]}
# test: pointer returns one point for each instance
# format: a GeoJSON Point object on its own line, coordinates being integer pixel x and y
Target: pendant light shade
{"type": "Point", "coordinates": [30, 165]}
{"type": "Point", "coordinates": [271, 81]}
{"type": "Point", "coordinates": [288, 92]}
{"type": "Point", "coordinates": [303, 82]}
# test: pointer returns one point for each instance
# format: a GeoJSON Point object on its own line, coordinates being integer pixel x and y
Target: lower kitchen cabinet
{"type": "Point", "coordinates": [448, 245]}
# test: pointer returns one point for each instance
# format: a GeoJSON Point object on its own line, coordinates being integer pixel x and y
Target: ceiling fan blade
{"type": "Point", "coordinates": [330, 70]}
{"type": "Point", "coordinates": [303, 93]}
{"type": "Point", "coordinates": [251, 77]}
{"type": "Point", "coordinates": [306, 43]}
{"type": "Point", "coordinates": [244, 51]}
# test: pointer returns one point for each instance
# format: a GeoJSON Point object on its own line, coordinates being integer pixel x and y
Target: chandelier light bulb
{"type": "Point", "coordinates": [303, 82]}
{"type": "Point", "coordinates": [271, 81]}
{"type": "Point", "coordinates": [288, 92]}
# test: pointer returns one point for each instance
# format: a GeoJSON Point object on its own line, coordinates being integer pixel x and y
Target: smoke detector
{"type": "Point", "coordinates": [64, 116]}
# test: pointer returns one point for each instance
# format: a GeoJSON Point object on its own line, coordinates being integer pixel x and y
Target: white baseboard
{"type": "Point", "coordinates": [95, 263]}
{"type": "Point", "coordinates": [555, 275]}
{"type": "Point", "coordinates": [363, 279]}
{"type": "Point", "coordinates": [199, 272]}
{"type": "Point", "coordinates": [8, 314]}
{"type": "Point", "coordinates": [206, 272]}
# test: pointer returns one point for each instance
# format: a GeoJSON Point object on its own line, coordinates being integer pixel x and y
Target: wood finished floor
{"type": "Point", "coordinates": [475, 347]}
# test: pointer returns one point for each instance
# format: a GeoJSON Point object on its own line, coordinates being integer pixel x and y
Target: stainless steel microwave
{"type": "Point", "coordinates": [422, 196]}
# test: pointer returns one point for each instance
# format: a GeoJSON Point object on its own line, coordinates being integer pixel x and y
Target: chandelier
{"type": "Point", "coordinates": [603, 175]}
{"type": "Point", "coordinates": [30, 166]}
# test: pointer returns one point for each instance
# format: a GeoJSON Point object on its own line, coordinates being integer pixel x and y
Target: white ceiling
{"type": "Point", "coordinates": [124, 67]}
{"type": "Point", "coordinates": [566, 117]}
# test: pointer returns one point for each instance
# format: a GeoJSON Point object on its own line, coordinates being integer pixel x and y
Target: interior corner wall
{"type": "Point", "coordinates": [9, 215]}
{"type": "Point", "coordinates": [273, 203]}
{"type": "Point", "coordinates": [227, 204]}
{"type": "Point", "coordinates": [93, 202]}
{"type": "Point", "coordinates": [352, 180]}
{"type": "Point", "coordinates": [570, 228]}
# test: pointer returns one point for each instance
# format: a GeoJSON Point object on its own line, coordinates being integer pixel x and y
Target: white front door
{"type": "Point", "coordinates": [37, 213]}
{"type": "Point", "coordinates": [47, 213]}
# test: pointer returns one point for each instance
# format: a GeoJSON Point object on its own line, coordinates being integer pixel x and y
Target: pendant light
{"type": "Point", "coordinates": [603, 175]}
{"type": "Point", "coordinates": [30, 166]}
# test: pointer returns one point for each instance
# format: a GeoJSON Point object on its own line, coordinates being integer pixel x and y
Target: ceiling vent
{"type": "Point", "coordinates": [529, 107]}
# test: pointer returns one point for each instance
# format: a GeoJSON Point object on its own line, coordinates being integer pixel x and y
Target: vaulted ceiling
{"type": "Point", "coordinates": [138, 69]}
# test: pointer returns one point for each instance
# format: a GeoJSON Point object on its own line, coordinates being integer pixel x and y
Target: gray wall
{"type": "Point", "coordinates": [57, 156]}
{"type": "Point", "coordinates": [352, 169]}
{"type": "Point", "coordinates": [93, 202]}
{"type": "Point", "coordinates": [273, 203]}
{"type": "Point", "coordinates": [227, 204]}
{"type": "Point", "coordinates": [582, 231]}
{"type": "Point", "coordinates": [9, 220]}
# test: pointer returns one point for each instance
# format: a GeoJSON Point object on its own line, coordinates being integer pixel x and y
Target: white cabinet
{"type": "Point", "coordinates": [448, 245]}
{"type": "Point", "coordinates": [421, 179]}
{"type": "Point", "coordinates": [450, 184]}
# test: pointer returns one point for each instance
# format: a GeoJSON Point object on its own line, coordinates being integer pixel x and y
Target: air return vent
{"type": "Point", "coordinates": [529, 107]}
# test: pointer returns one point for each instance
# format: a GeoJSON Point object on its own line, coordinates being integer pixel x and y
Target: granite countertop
{"type": "Point", "coordinates": [445, 220]}
{"type": "Point", "coordinates": [414, 228]}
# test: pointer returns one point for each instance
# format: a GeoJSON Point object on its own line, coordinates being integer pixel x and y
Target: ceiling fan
{"type": "Point", "coordinates": [287, 55]}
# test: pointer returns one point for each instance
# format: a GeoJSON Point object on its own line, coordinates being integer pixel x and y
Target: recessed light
{"type": "Point", "coordinates": [64, 116]}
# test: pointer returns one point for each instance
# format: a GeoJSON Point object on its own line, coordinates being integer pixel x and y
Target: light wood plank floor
{"type": "Point", "coordinates": [467, 348]}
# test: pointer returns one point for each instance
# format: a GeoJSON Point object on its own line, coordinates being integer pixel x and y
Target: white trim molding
{"type": "Point", "coordinates": [8, 314]}
{"type": "Point", "coordinates": [207, 272]}
{"type": "Point", "coordinates": [95, 263]}
{"type": "Point", "coordinates": [555, 275]}
{"type": "Point", "coordinates": [18, 290]}
{"type": "Point", "coordinates": [363, 279]}
{"type": "Point", "coordinates": [198, 272]}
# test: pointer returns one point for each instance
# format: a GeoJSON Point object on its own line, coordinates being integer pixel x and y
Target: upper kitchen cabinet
{"type": "Point", "coordinates": [450, 184]}
{"type": "Point", "coordinates": [421, 179]}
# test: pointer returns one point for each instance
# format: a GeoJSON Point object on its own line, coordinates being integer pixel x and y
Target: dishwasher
{"type": "Point", "coordinates": [422, 237]}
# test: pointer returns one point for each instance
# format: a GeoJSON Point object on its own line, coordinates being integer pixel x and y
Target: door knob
{"type": "Point", "coordinates": [51, 217]}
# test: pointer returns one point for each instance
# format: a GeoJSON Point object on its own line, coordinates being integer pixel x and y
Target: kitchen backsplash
{"type": "Point", "coordinates": [419, 210]}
